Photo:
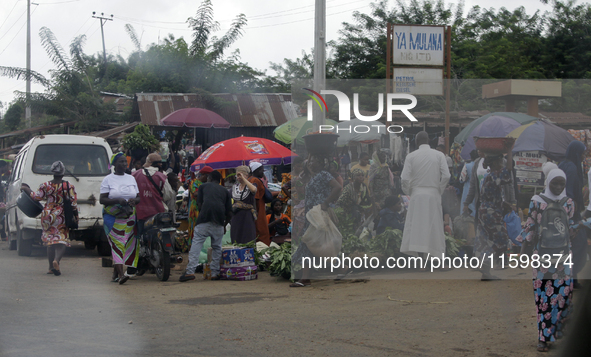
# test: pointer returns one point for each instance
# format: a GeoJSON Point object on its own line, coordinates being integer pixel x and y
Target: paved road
{"type": "Point", "coordinates": [81, 313]}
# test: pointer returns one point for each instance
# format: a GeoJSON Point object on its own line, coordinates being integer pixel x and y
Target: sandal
{"type": "Point", "coordinates": [123, 279]}
{"type": "Point", "coordinates": [56, 269]}
{"type": "Point", "coordinates": [543, 347]}
{"type": "Point", "coordinates": [297, 284]}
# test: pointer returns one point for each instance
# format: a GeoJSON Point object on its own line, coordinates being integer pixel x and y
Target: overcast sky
{"type": "Point", "coordinates": [276, 29]}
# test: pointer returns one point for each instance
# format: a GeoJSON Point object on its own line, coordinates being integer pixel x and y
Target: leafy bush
{"type": "Point", "coordinates": [140, 138]}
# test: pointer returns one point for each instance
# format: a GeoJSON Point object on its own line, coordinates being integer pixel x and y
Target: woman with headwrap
{"type": "Point", "coordinates": [573, 169]}
{"type": "Point", "coordinates": [353, 204]}
{"type": "Point", "coordinates": [552, 286]}
{"type": "Point", "coordinates": [119, 195]}
{"type": "Point", "coordinates": [381, 180]}
{"type": "Point", "coordinates": [243, 224]}
{"type": "Point", "coordinates": [496, 197]}
{"type": "Point", "coordinates": [53, 222]}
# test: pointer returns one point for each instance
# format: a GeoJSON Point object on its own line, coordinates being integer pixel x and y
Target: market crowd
{"type": "Point", "coordinates": [426, 196]}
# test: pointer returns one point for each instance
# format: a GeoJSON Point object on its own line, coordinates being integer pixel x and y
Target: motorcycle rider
{"type": "Point", "coordinates": [154, 191]}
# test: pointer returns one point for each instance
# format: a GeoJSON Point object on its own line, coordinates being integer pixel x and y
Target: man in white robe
{"type": "Point", "coordinates": [424, 177]}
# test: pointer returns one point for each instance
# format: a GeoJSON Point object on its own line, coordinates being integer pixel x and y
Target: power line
{"type": "Point", "coordinates": [3, 22]}
{"type": "Point", "coordinates": [19, 31]}
{"type": "Point", "coordinates": [60, 2]}
{"type": "Point", "coordinates": [308, 19]}
{"type": "Point", "coordinates": [23, 14]}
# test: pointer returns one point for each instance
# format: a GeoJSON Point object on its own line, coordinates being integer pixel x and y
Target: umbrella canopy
{"type": "Point", "coordinates": [356, 131]}
{"type": "Point", "coordinates": [495, 126]}
{"type": "Point", "coordinates": [195, 118]}
{"type": "Point", "coordinates": [296, 128]}
{"type": "Point", "coordinates": [542, 136]}
{"type": "Point", "coordinates": [234, 152]}
{"type": "Point", "coordinates": [463, 136]}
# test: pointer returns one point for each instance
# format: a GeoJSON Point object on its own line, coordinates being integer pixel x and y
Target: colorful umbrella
{"type": "Point", "coordinates": [463, 136]}
{"type": "Point", "coordinates": [495, 126]}
{"type": "Point", "coordinates": [542, 136]}
{"type": "Point", "coordinates": [195, 118]}
{"type": "Point", "coordinates": [234, 152]}
{"type": "Point", "coordinates": [295, 129]}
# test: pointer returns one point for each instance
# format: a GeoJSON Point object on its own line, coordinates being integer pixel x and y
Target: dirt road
{"type": "Point", "coordinates": [81, 313]}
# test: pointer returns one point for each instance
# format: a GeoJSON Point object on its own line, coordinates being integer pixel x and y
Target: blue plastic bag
{"type": "Point", "coordinates": [513, 224]}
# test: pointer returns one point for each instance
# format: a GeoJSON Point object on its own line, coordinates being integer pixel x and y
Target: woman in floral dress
{"type": "Point", "coordinates": [553, 286]}
{"type": "Point", "coordinates": [495, 199]}
{"type": "Point", "coordinates": [55, 234]}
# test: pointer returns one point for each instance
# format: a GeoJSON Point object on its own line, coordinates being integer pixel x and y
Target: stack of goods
{"type": "Point", "coordinates": [238, 264]}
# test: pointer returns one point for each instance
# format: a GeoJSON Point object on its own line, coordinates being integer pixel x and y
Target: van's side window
{"type": "Point", "coordinates": [16, 172]}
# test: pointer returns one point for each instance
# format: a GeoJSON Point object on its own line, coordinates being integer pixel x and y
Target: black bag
{"type": "Point", "coordinates": [70, 216]}
{"type": "Point", "coordinates": [268, 197]}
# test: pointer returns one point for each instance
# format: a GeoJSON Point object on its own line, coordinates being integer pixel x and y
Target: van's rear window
{"type": "Point", "coordinates": [80, 160]}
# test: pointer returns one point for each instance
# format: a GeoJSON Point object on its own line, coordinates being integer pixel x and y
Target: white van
{"type": "Point", "coordinates": [87, 162]}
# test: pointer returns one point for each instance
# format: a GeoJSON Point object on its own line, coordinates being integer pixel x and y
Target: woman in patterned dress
{"type": "Point", "coordinates": [553, 286]}
{"type": "Point", "coordinates": [495, 199]}
{"type": "Point", "coordinates": [53, 223]}
{"type": "Point", "coordinates": [119, 195]}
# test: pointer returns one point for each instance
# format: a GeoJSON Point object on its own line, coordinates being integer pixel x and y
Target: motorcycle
{"type": "Point", "coordinates": [157, 246]}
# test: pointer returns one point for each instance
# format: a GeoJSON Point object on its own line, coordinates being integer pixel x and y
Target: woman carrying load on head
{"type": "Point", "coordinates": [552, 285]}
{"type": "Point", "coordinates": [495, 197]}
{"type": "Point", "coordinates": [322, 189]}
{"type": "Point", "coordinates": [120, 195]}
{"type": "Point", "coordinates": [55, 234]}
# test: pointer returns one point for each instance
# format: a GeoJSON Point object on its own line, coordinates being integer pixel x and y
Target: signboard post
{"type": "Point", "coordinates": [419, 45]}
{"type": "Point", "coordinates": [420, 53]}
{"type": "Point", "coordinates": [418, 81]}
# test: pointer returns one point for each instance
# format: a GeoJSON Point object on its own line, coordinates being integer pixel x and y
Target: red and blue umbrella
{"type": "Point", "coordinates": [494, 126]}
{"type": "Point", "coordinates": [544, 137]}
{"type": "Point", "coordinates": [232, 153]}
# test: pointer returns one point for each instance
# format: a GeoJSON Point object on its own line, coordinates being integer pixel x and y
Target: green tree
{"type": "Point", "coordinates": [69, 93]}
{"type": "Point", "coordinates": [12, 118]}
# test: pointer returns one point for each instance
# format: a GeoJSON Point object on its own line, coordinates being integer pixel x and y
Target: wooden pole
{"type": "Point", "coordinates": [448, 89]}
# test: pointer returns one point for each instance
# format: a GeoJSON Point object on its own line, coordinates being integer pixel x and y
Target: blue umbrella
{"type": "Point", "coordinates": [463, 136]}
{"type": "Point", "coordinates": [494, 126]}
{"type": "Point", "coordinates": [542, 136]}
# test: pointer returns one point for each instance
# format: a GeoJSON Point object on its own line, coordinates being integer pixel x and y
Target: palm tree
{"type": "Point", "coordinates": [69, 92]}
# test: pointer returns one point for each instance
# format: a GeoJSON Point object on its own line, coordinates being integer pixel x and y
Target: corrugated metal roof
{"type": "Point", "coordinates": [246, 110]}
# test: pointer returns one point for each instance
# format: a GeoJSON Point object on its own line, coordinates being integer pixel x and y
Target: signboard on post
{"type": "Point", "coordinates": [418, 45]}
{"type": "Point", "coordinates": [528, 166]}
{"type": "Point", "coordinates": [418, 81]}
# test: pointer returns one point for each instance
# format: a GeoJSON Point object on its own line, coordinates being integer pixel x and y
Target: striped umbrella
{"type": "Point", "coordinates": [542, 136]}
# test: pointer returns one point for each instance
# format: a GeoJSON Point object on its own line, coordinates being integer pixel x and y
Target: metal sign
{"type": "Point", "coordinates": [418, 81]}
{"type": "Point", "coordinates": [528, 166]}
{"type": "Point", "coordinates": [418, 45]}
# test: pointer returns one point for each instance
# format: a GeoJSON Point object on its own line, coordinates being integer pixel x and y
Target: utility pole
{"type": "Point", "coordinates": [28, 87]}
{"type": "Point", "coordinates": [103, 21]}
{"type": "Point", "coordinates": [319, 58]}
